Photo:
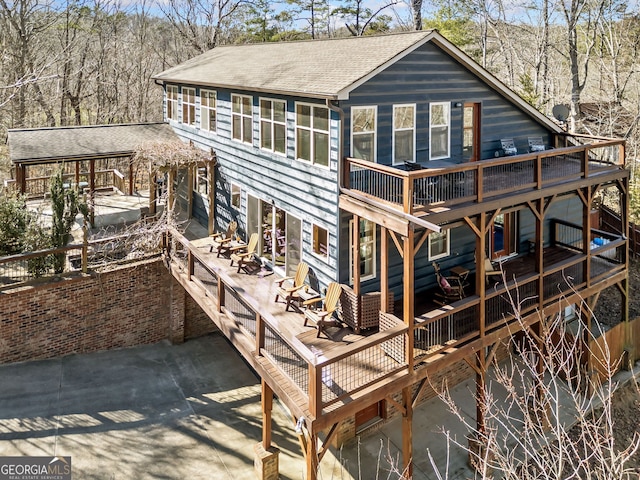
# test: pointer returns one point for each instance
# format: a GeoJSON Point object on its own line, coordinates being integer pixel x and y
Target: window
{"type": "Point", "coordinates": [312, 134]}
{"type": "Point", "coordinates": [208, 100]}
{"type": "Point", "coordinates": [236, 193]}
{"type": "Point", "coordinates": [172, 102]}
{"type": "Point", "coordinates": [438, 245]}
{"type": "Point", "coordinates": [404, 133]}
{"type": "Point", "coordinates": [363, 133]}
{"type": "Point", "coordinates": [201, 180]}
{"type": "Point", "coordinates": [320, 241]}
{"type": "Point", "coordinates": [273, 128]}
{"type": "Point", "coordinates": [367, 248]}
{"type": "Point", "coordinates": [189, 106]}
{"type": "Point", "coordinates": [439, 119]}
{"type": "Point", "coordinates": [242, 118]}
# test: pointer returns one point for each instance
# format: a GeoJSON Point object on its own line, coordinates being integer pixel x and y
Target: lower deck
{"type": "Point", "coordinates": [340, 372]}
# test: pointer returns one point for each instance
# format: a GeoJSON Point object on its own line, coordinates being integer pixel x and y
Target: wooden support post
{"type": "Point", "coordinates": [152, 193]}
{"type": "Point", "coordinates": [409, 295]}
{"type": "Point", "coordinates": [211, 171]}
{"type": "Point", "coordinates": [312, 456]}
{"type": "Point", "coordinates": [77, 175]}
{"type": "Point", "coordinates": [355, 246]}
{"type": "Point", "coordinates": [267, 405]}
{"type": "Point", "coordinates": [480, 391]}
{"type": "Point", "coordinates": [171, 189]}
{"type": "Point", "coordinates": [407, 434]}
{"type": "Point", "coordinates": [92, 190]}
{"type": "Point", "coordinates": [384, 270]}
{"type": "Point", "coordinates": [130, 177]}
{"type": "Point", "coordinates": [192, 172]}
{"type": "Point", "coordinates": [21, 180]}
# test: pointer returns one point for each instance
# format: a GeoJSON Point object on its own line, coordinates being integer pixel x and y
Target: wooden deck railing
{"type": "Point", "coordinates": [324, 379]}
{"type": "Point", "coordinates": [24, 267]}
{"type": "Point", "coordinates": [480, 181]}
{"type": "Point", "coordinates": [36, 187]}
{"type": "Point", "coordinates": [506, 298]}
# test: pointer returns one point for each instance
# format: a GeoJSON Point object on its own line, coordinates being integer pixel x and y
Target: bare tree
{"type": "Point", "coordinates": [546, 416]}
{"type": "Point", "coordinates": [200, 23]}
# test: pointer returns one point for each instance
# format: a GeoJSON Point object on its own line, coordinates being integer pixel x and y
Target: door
{"type": "Point", "coordinates": [471, 132]}
{"type": "Point", "coordinates": [280, 234]}
{"type": "Point", "coordinates": [503, 235]}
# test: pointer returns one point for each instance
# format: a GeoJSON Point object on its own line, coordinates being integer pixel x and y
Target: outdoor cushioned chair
{"type": "Point", "coordinates": [222, 238]}
{"type": "Point", "coordinates": [451, 287]}
{"type": "Point", "coordinates": [243, 255]}
{"type": "Point", "coordinates": [323, 317]}
{"type": "Point", "coordinates": [536, 144]}
{"type": "Point", "coordinates": [288, 287]}
{"type": "Point", "coordinates": [491, 274]}
{"type": "Point", "coordinates": [508, 147]}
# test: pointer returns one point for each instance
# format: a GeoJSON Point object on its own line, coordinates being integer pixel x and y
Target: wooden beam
{"type": "Point", "coordinates": [423, 238]}
{"type": "Point", "coordinates": [312, 456]}
{"type": "Point", "coordinates": [211, 196]}
{"type": "Point", "coordinates": [327, 441]}
{"type": "Point", "coordinates": [418, 392]}
{"type": "Point", "coordinates": [396, 242]}
{"type": "Point", "coordinates": [408, 282]}
{"type": "Point", "coordinates": [267, 406]}
{"type": "Point", "coordinates": [355, 255]}
{"type": "Point", "coordinates": [384, 270]}
{"type": "Point", "coordinates": [407, 434]}
{"type": "Point", "coordinates": [397, 405]}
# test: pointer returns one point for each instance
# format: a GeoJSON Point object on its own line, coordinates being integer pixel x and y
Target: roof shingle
{"type": "Point", "coordinates": [321, 68]}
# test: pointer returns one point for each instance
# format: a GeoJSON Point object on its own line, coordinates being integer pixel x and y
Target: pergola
{"type": "Point", "coordinates": [39, 146]}
{"type": "Point", "coordinates": [34, 147]}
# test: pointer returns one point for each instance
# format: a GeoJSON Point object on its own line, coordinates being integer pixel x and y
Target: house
{"type": "Point", "coordinates": [401, 152]}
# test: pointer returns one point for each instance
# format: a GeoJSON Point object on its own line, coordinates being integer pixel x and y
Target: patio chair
{"type": "Point", "coordinates": [222, 238]}
{"type": "Point", "coordinates": [536, 144]}
{"type": "Point", "coordinates": [244, 255]}
{"type": "Point", "coordinates": [508, 147]}
{"type": "Point", "coordinates": [289, 287]}
{"type": "Point", "coordinates": [451, 288]}
{"type": "Point", "coordinates": [491, 273]}
{"type": "Point", "coordinates": [324, 317]}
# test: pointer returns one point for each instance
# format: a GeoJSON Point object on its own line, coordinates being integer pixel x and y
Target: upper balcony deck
{"type": "Point", "coordinates": [433, 191]}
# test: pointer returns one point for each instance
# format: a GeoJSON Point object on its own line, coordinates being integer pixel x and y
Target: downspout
{"type": "Point", "coordinates": [335, 108]}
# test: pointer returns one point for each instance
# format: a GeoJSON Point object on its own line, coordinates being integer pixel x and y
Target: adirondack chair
{"type": "Point", "coordinates": [244, 255]}
{"type": "Point", "coordinates": [323, 317]}
{"type": "Point", "coordinates": [289, 287]}
{"type": "Point", "coordinates": [222, 238]}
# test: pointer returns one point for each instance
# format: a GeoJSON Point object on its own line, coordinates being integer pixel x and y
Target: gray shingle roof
{"type": "Point", "coordinates": [34, 145]}
{"type": "Point", "coordinates": [321, 68]}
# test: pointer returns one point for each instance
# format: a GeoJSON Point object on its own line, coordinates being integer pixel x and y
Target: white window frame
{"type": "Point", "coordinates": [236, 193]}
{"type": "Point", "coordinates": [242, 115]}
{"type": "Point", "coordinates": [272, 122]}
{"type": "Point", "coordinates": [373, 255]}
{"type": "Point", "coordinates": [314, 228]}
{"type": "Point", "coordinates": [172, 102]}
{"type": "Point", "coordinates": [367, 132]}
{"type": "Point", "coordinates": [433, 236]}
{"type": "Point", "coordinates": [396, 129]}
{"type": "Point", "coordinates": [206, 96]}
{"type": "Point", "coordinates": [189, 107]}
{"type": "Point", "coordinates": [432, 126]}
{"type": "Point", "coordinates": [201, 179]}
{"type": "Point", "coordinates": [312, 129]}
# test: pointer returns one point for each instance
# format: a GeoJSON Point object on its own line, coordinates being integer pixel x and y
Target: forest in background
{"type": "Point", "coordinates": [89, 62]}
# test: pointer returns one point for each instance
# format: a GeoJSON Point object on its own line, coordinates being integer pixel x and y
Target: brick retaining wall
{"type": "Point", "coordinates": [128, 306]}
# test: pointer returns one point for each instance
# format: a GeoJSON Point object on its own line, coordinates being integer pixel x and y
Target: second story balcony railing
{"type": "Point", "coordinates": [414, 191]}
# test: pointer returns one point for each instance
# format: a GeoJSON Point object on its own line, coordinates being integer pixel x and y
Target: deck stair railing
{"type": "Point", "coordinates": [413, 190]}
{"type": "Point", "coordinates": [323, 380]}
